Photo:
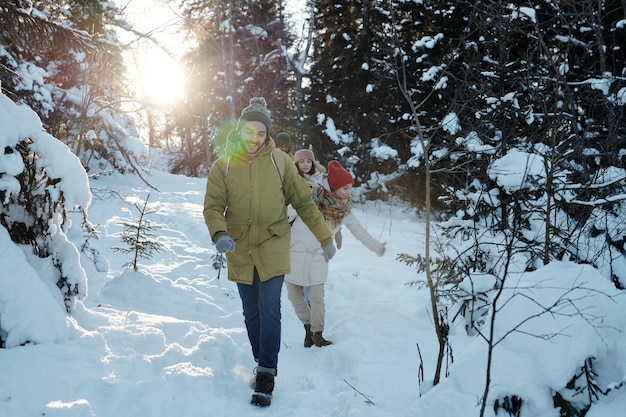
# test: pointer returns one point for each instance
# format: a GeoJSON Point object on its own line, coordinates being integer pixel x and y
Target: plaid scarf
{"type": "Point", "coordinates": [332, 209]}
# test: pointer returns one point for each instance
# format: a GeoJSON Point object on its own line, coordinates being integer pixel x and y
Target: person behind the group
{"type": "Point", "coordinates": [245, 213]}
{"type": "Point", "coordinates": [308, 167]}
{"type": "Point", "coordinates": [285, 144]}
{"type": "Point", "coordinates": [308, 266]}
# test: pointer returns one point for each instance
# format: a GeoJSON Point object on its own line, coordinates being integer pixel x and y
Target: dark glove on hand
{"type": "Point", "coordinates": [329, 252]}
{"type": "Point", "coordinates": [224, 243]}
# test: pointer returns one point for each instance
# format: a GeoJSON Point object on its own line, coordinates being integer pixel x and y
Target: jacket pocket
{"type": "Point", "coordinates": [279, 228]}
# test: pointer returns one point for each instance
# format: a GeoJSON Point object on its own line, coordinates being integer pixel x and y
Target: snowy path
{"type": "Point", "coordinates": [169, 340]}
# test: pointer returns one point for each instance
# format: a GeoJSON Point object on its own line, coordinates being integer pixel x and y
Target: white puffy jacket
{"type": "Point", "coordinates": [308, 266]}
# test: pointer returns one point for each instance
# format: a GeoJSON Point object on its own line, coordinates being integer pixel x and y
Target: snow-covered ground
{"type": "Point", "coordinates": [169, 340]}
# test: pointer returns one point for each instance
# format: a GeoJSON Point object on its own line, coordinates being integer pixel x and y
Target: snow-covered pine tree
{"type": "Point", "coordinates": [40, 182]}
{"type": "Point", "coordinates": [67, 66]}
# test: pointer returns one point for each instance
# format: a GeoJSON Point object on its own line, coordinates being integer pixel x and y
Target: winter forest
{"type": "Point", "coordinates": [501, 124]}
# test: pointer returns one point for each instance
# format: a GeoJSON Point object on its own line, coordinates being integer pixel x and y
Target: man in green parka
{"type": "Point", "coordinates": [245, 209]}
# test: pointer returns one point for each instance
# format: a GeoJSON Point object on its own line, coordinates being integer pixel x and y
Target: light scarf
{"type": "Point", "coordinates": [332, 209]}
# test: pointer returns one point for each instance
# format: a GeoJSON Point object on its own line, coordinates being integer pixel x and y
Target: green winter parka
{"type": "Point", "coordinates": [247, 198]}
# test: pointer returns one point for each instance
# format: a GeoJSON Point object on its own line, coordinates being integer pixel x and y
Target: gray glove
{"type": "Point", "coordinates": [338, 238]}
{"type": "Point", "coordinates": [224, 243]}
{"type": "Point", "coordinates": [329, 252]}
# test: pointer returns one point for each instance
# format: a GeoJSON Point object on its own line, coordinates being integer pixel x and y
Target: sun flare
{"type": "Point", "coordinates": [160, 78]}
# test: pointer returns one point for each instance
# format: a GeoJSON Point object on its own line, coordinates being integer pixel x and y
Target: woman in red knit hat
{"type": "Point", "coordinates": [332, 195]}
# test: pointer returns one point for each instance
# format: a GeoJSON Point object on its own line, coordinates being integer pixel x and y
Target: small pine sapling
{"type": "Point", "coordinates": [139, 237]}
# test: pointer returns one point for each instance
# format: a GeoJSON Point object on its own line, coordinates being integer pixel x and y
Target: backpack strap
{"type": "Point", "coordinates": [227, 167]}
{"type": "Point", "coordinates": [278, 154]}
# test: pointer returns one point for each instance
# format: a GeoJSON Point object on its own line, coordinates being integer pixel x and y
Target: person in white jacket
{"type": "Point", "coordinates": [308, 167]}
{"type": "Point", "coordinates": [332, 195]}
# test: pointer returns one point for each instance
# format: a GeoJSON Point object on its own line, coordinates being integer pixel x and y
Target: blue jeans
{"type": "Point", "coordinates": [261, 312]}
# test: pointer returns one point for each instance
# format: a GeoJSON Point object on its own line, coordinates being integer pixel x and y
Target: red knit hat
{"type": "Point", "coordinates": [338, 176]}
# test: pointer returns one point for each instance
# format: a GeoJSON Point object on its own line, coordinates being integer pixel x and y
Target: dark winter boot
{"type": "Point", "coordinates": [262, 395]}
{"type": "Point", "coordinates": [308, 336]}
{"type": "Point", "coordinates": [319, 340]}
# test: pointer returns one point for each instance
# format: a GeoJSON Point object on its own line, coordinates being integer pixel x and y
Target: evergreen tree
{"type": "Point", "coordinates": [352, 89]}
{"type": "Point", "coordinates": [533, 90]}
{"type": "Point", "coordinates": [67, 65]}
{"type": "Point", "coordinates": [242, 53]}
{"type": "Point", "coordinates": [42, 181]}
{"type": "Point", "coordinates": [515, 89]}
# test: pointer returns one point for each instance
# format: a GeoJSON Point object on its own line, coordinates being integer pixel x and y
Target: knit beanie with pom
{"type": "Point", "coordinates": [256, 112]}
{"type": "Point", "coordinates": [338, 176]}
{"type": "Point", "coordinates": [303, 154]}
